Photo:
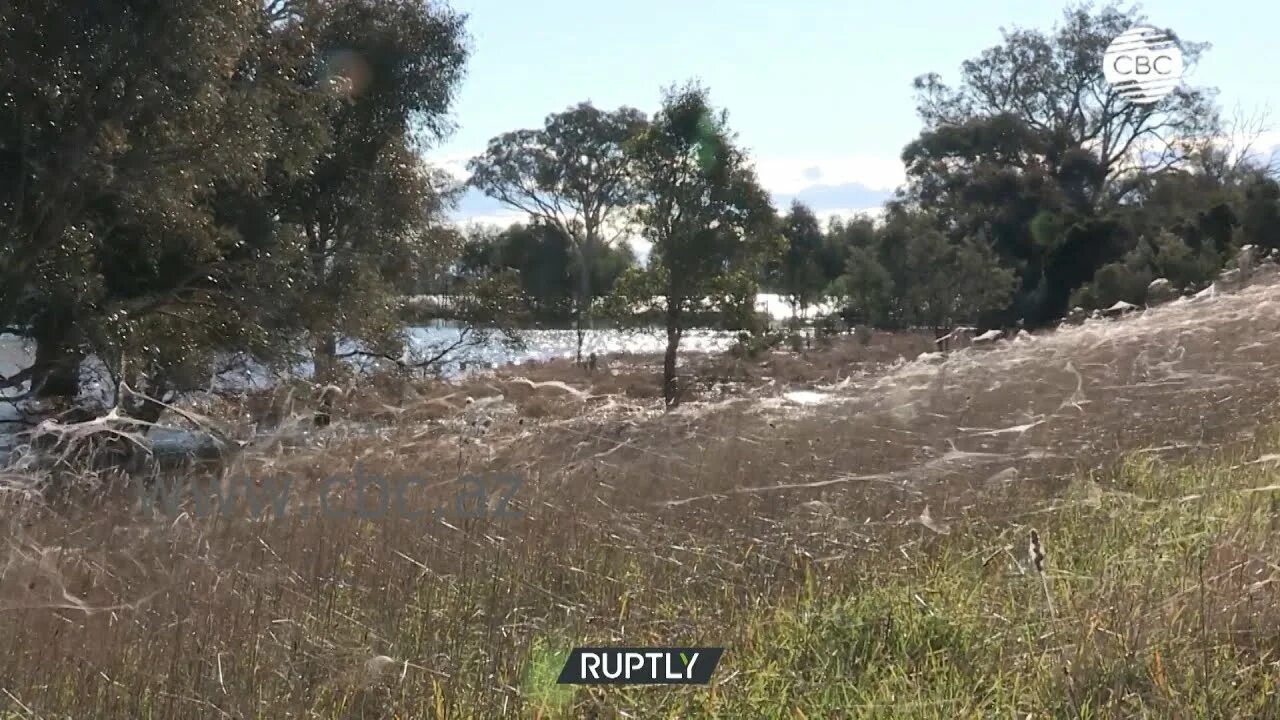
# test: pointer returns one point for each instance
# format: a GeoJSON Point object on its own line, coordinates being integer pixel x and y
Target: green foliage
{"type": "Point", "coordinates": [547, 265]}
{"type": "Point", "coordinates": [865, 289]}
{"type": "Point", "coordinates": [573, 175]}
{"type": "Point", "coordinates": [544, 695]}
{"type": "Point", "coordinates": [980, 284]}
{"type": "Point", "coordinates": [201, 178]}
{"type": "Point", "coordinates": [702, 208]}
{"type": "Point", "coordinates": [135, 138]}
{"type": "Point", "coordinates": [636, 300]}
{"type": "Point", "coordinates": [570, 173]}
{"type": "Point", "coordinates": [753, 345]}
{"type": "Point", "coordinates": [368, 203]}
{"type": "Point", "coordinates": [798, 272]}
{"type": "Point", "coordinates": [910, 273]}
{"type": "Point", "coordinates": [1260, 216]}
{"type": "Point", "coordinates": [1112, 283]}
{"type": "Point", "coordinates": [1166, 256]}
{"type": "Point", "coordinates": [1138, 615]}
{"type": "Point", "coordinates": [841, 238]}
{"type": "Point", "coordinates": [1042, 164]}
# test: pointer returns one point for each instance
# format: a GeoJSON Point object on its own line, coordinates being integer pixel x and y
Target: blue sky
{"type": "Point", "coordinates": [818, 90]}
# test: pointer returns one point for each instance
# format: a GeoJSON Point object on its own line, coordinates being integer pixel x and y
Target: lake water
{"type": "Point", "coordinates": [535, 346]}
{"type": "Point", "coordinates": [538, 345]}
{"type": "Point", "coordinates": [426, 341]}
{"type": "Point", "coordinates": [541, 345]}
{"type": "Point", "coordinates": [482, 351]}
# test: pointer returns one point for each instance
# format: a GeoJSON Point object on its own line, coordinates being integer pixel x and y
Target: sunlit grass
{"type": "Point", "coordinates": [1158, 597]}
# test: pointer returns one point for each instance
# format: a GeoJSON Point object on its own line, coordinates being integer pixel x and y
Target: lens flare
{"type": "Point", "coordinates": [347, 73]}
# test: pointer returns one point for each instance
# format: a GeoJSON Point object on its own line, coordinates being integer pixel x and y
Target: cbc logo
{"type": "Point", "coordinates": [1143, 65]}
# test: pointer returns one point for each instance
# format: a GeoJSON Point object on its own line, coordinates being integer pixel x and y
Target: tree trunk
{"type": "Point", "coordinates": [670, 388]}
{"type": "Point", "coordinates": [942, 338]}
{"type": "Point", "coordinates": [324, 352]}
{"type": "Point", "coordinates": [56, 371]}
{"type": "Point", "coordinates": [808, 339]}
{"type": "Point", "coordinates": [324, 347]}
{"type": "Point", "coordinates": [584, 319]}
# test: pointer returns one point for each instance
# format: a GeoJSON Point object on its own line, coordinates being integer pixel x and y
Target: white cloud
{"type": "Point", "coordinates": [1240, 143]}
{"type": "Point", "coordinates": [825, 216]}
{"type": "Point", "coordinates": [506, 218]}
{"type": "Point", "coordinates": [502, 219]}
{"type": "Point", "coordinates": [453, 163]}
{"type": "Point", "coordinates": [791, 174]}
{"type": "Point", "coordinates": [784, 174]}
{"type": "Point", "coordinates": [833, 185]}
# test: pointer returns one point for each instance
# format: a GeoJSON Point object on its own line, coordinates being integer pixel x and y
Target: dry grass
{"type": "Point", "coordinates": [865, 558]}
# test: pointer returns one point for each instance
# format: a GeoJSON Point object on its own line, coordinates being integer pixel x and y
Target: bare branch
{"type": "Point", "coordinates": [412, 365]}
{"type": "Point", "coordinates": [17, 379]}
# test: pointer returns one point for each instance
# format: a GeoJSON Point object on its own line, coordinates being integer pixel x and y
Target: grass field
{"type": "Point", "coordinates": [852, 528]}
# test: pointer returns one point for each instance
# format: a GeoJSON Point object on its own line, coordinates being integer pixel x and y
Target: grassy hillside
{"type": "Point", "coordinates": [857, 538]}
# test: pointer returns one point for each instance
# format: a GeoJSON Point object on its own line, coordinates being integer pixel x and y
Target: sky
{"type": "Point", "coordinates": [819, 91]}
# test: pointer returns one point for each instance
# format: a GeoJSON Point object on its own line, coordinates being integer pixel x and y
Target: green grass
{"type": "Point", "coordinates": [1157, 601]}
{"type": "Point", "coordinates": [1160, 598]}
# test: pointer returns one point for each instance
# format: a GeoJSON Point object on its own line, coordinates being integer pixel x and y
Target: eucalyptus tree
{"type": "Point", "coordinates": [574, 175]}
